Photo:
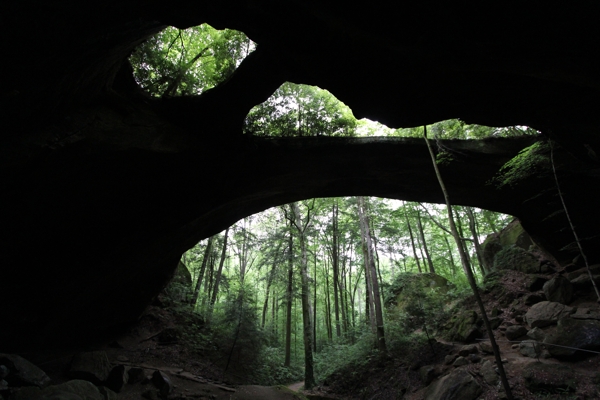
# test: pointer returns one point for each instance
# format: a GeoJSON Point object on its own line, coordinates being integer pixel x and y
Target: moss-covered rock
{"type": "Point", "coordinates": [517, 259]}
{"type": "Point", "coordinates": [464, 327]}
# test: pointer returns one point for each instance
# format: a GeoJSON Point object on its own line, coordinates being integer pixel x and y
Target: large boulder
{"type": "Point", "coordinates": [458, 385]}
{"type": "Point", "coordinates": [546, 313]}
{"type": "Point", "coordinates": [92, 366]}
{"type": "Point", "coordinates": [518, 259]}
{"type": "Point", "coordinates": [572, 334]}
{"type": "Point", "coordinates": [559, 289]}
{"type": "Point", "coordinates": [549, 378]}
{"type": "Point", "coordinates": [20, 372]}
{"type": "Point", "coordinates": [71, 390]}
{"type": "Point", "coordinates": [512, 234]}
{"type": "Point", "coordinates": [464, 327]}
{"type": "Point", "coordinates": [515, 331]}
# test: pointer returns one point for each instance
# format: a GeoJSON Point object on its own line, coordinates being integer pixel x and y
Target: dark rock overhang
{"type": "Point", "coordinates": [103, 187]}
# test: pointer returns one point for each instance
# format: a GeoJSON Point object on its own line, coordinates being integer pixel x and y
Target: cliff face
{"type": "Point", "coordinates": [104, 188]}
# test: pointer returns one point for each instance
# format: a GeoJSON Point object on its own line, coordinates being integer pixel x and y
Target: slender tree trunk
{"type": "Point", "coordinates": [269, 280]}
{"type": "Point", "coordinates": [309, 376]}
{"type": "Point", "coordinates": [473, 229]}
{"type": "Point", "coordinates": [335, 261]}
{"type": "Point", "coordinates": [412, 239]}
{"type": "Point", "coordinates": [328, 305]}
{"type": "Point", "coordinates": [372, 272]}
{"type": "Point", "coordinates": [201, 273]}
{"type": "Point", "coordinates": [422, 233]}
{"type": "Point", "coordinates": [470, 276]}
{"type": "Point", "coordinates": [453, 264]}
{"type": "Point", "coordinates": [315, 304]}
{"type": "Point", "coordinates": [215, 292]}
{"type": "Point", "coordinates": [289, 298]}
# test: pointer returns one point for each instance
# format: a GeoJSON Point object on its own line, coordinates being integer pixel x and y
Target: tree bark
{"type": "Point", "coordinates": [473, 229]}
{"type": "Point", "coordinates": [335, 261]}
{"type": "Point", "coordinates": [412, 239]}
{"type": "Point", "coordinates": [201, 273]}
{"type": "Point", "coordinates": [470, 276]}
{"type": "Point", "coordinates": [269, 280]}
{"type": "Point", "coordinates": [289, 298]}
{"type": "Point", "coordinates": [215, 292]}
{"type": "Point", "coordinates": [424, 243]}
{"type": "Point", "coordinates": [372, 276]}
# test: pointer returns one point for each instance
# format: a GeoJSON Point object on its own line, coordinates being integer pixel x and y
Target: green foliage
{"type": "Point", "coordinates": [269, 369]}
{"type": "Point", "coordinates": [187, 62]}
{"type": "Point", "coordinates": [300, 110]}
{"type": "Point", "coordinates": [531, 161]}
{"type": "Point", "coordinates": [458, 129]}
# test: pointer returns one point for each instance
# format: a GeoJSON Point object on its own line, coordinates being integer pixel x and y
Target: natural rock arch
{"type": "Point", "coordinates": [97, 176]}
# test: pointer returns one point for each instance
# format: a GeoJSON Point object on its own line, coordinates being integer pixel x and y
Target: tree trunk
{"type": "Point", "coordinates": [470, 276]}
{"type": "Point", "coordinates": [215, 292]}
{"type": "Point", "coordinates": [201, 273]}
{"type": "Point", "coordinates": [473, 229]}
{"type": "Point", "coordinates": [335, 261]}
{"type": "Point", "coordinates": [412, 239]}
{"type": "Point", "coordinates": [422, 233]}
{"type": "Point", "coordinates": [289, 298]}
{"type": "Point", "coordinates": [309, 377]}
{"type": "Point", "coordinates": [372, 278]}
{"type": "Point", "coordinates": [269, 280]}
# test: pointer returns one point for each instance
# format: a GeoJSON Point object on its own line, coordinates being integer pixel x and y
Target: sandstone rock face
{"type": "Point", "coordinates": [458, 385]}
{"type": "Point", "coordinates": [559, 289]}
{"type": "Point", "coordinates": [20, 372]}
{"type": "Point", "coordinates": [512, 235]}
{"type": "Point", "coordinates": [518, 259]}
{"type": "Point", "coordinates": [574, 333]}
{"type": "Point", "coordinates": [546, 313]}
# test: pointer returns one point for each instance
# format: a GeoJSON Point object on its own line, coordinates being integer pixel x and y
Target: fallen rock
{"type": "Point", "coordinates": [546, 313]}
{"type": "Point", "coordinates": [574, 333]}
{"type": "Point", "coordinates": [117, 378]}
{"type": "Point", "coordinates": [515, 332]}
{"type": "Point", "coordinates": [458, 385]}
{"type": "Point", "coordinates": [540, 377]}
{"type": "Point", "coordinates": [464, 327]}
{"type": "Point", "coordinates": [536, 334]}
{"type": "Point", "coordinates": [468, 349]}
{"type": "Point", "coordinates": [18, 371]}
{"type": "Point", "coordinates": [533, 283]}
{"type": "Point", "coordinates": [449, 359]}
{"type": "Point", "coordinates": [559, 289]}
{"type": "Point", "coordinates": [460, 361]}
{"type": "Point", "coordinates": [474, 358]}
{"type": "Point", "coordinates": [92, 366]}
{"type": "Point", "coordinates": [488, 371]}
{"type": "Point", "coordinates": [533, 298]}
{"type": "Point", "coordinates": [530, 348]}
{"type": "Point", "coordinates": [162, 383]}
{"type": "Point", "coordinates": [486, 347]}
{"type": "Point", "coordinates": [71, 390]}
{"type": "Point", "coordinates": [428, 373]}
{"type": "Point", "coordinates": [518, 259]}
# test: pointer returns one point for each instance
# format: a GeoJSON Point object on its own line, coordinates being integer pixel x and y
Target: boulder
{"type": "Point", "coordinates": [511, 235]}
{"type": "Point", "coordinates": [515, 332]}
{"type": "Point", "coordinates": [460, 361]}
{"type": "Point", "coordinates": [573, 275]}
{"type": "Point", "coordinates": [549, 378]}
{"type": "Point", "coordinates": [468, 349]}
{"type": "Point", "coordinates": [486, 347]}
{"type": "Point", "coordinates": [533, 298]}
{"type": "Point", "coordinates": [474, 358]}
{"type": "Point", "coordinates": [162, 383]}
{"type": "Point", "coordinates": [536, 334]}
{"type": "Point", "coordinates": [428, 373]}
{"type": "Point", "coordinates": [71, 390]}
{"type": "Point", "coordinates": [546, 313]}
{"type": "Point", "coordinates": [18, 371]}
{"type": "Point", "coordinates": [135, 375]}
{"type": "Point", "coordinates": [518, 259]}
{"type": "Point", "coordinates": [488, 371]}
{"type": "Point", "coordinates": [574, 333]}
{"type": "Point", "coordinates": [92, 366]}
{"type": "Point", "coordinates": [458, 385]}
{"type": "Point", "coordinates": [464, 327]}
{"type": "Point", "coordinates": [533, 283]}
{"type": "Point", "coordinates": [117, 378]}
{"type": "Point", "coordinates": [530, 348]}
{"type": "Point", "coordinates": [559, 289]}
{"type": "Point", "coordinates": [450, 358]}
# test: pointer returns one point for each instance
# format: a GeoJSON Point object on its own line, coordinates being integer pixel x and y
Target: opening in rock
{"type": "Point", "coordinates": [178, 62]}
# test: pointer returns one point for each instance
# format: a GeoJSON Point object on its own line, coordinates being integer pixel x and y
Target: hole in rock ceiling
{"type": "Point", "coordinates": [304, 110]}
{"type": "Point", "coordinates": [177, 62]}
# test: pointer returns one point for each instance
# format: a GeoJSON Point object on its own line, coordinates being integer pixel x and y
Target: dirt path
{"type": "Point", "coordinates": [296, 386]}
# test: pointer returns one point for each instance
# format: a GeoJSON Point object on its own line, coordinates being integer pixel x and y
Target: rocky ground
{"type": "Point", "coordinates": [545, 318]}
